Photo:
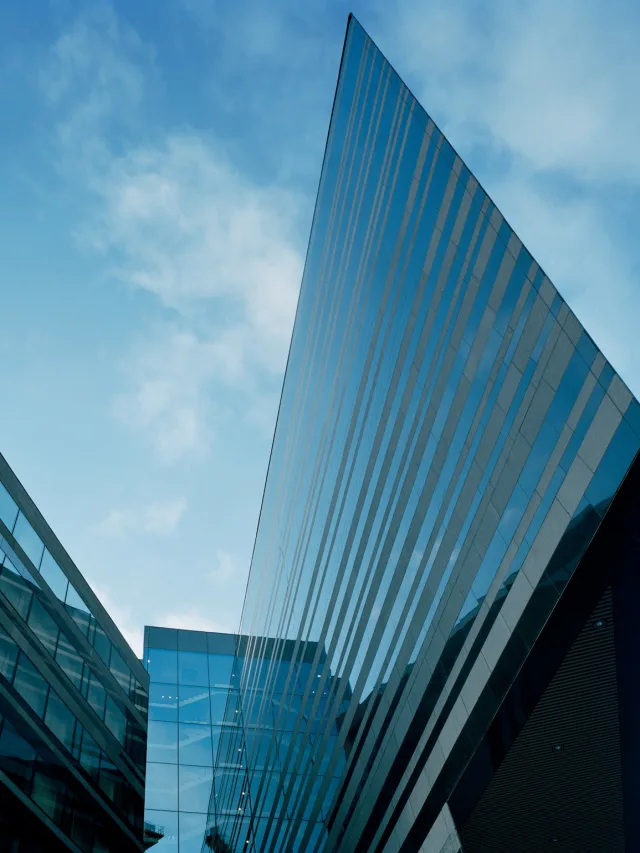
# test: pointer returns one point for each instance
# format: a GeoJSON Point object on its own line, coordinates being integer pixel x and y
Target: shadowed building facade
{"type": "Point", "coordinates": [442, 581]}
{"type": "Point", "coordinates": [73, 699]}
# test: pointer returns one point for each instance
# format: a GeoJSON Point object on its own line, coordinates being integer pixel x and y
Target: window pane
{"type": "Point", "coordinates": [16, 589]}
{"type": "Point", "coordinates": [194, 745]}
{"type": "Point", "coordinates": [167, 823]}
{"type": "Point", "coordinates": [163, 702]}
{"type": "Point", "coordinates": [192, 668]}
{"type": "Point", "coordinates": [29, 540]}
{"type": "Point", "coordinates": [30, 685]}
{"type": "Point", "coordinates": [162, 786]}
{"type": "Point", "coordinates": [74, 601]}
{"type": "Point", "coordinates": [60, 720]}
{"type": "Point", "coordinates": [162, 665]}
{"type": "Point", "coordinates": [194, 705]}
{"type": "Point", "coordinates": [220, 670]}
{"type": "Point", "coordinates": [119, 669]}
{"type": "Point", "coordinates": [90, 755]}
{"type": "Point", "coordinates": [8, 656]}
{"type": "Point", "coordinates": [219, 706]}
{"type": "Point", "coordinates": [96, 696]}
{"type": "Point", "coordinates": [54, 576]}
{"type": "Point", "coordinates": [43, 625]}
{"type": "Point", "coordinates": [116, 720]}
{"type": "Point", "coordinates": [8, 508]}
{"type": "Point", "coordinates": [193, 828]}
{"type": "Point", "coordinates": [162, 743]}
{"type": "Point", "coordinates": [70, 661]}
{"type": "Point", "coordinates": [195, 788]}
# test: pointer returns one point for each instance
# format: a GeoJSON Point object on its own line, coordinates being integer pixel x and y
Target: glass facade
{"type": "Point", "coordinates": [73, 698]}
{"type": "Point", "coordinates": [216, 762]}
{"type": "Point", "coordinates": [448, 440]}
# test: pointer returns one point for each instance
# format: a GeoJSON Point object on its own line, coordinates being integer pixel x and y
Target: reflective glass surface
{"type": "Point", "coordinates": [445, 424]}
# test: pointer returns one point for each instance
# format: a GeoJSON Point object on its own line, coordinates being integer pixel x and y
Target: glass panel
{"type": "Point", "coordinates": [8, 508]}
{"type": "Point", "coordinates": [116, 720]}
{"type": "Point", "coordinates": [163, 701]}
{"type": "Point", "coordinates": [162, 665]}
{"type": "Point", "coordinates": [54, 576]}
{"type": "Point", "coordinates": [90, 755]}
{"type": "Point", "coordinates": [194, 705]}
{"type": "Point", "coordinates": [49, 793]}
{"type": "Point", "coordinates": [14, 587]}
{"type": "Point", "coordinates": [29, 540]}
{"type": "Point", "coordinates": [220, 670]}
{"type": "Point", "coordinates": [70, 661]}
{"type": "Point", "coordinates": [167, 823]}
{"type": "Point", "coordinates": [218, 705]}
{"type": "Point", "coordinates": [162, 742]}
{"type": "Point", "coordinates": [195, 788]}
{"type": "Point", "coordinates": [192, 668]}
{"type": "Point", "coordinates": [101, 643]}
{"type": "Point", "coordinates": [43, 625]}
{"type": "Point", "coordinates": [8, 656]}
{"type": "Point", "coordinates": [195, 745]}
{"type": "Point", "coordinates": [30, 685]}
{"type": "Point", "coordinates": [120, 670]}
{"type": "Point", "coordinates": [192, 832]}
{"type": "Point", "coordinates": [60, 720]}
{"type": "Point", "coordinates": [96, 695]}
{"type": "Point", "coordinates": [162, 786]}
{"type": "Point", "coordinates": [74, 601]}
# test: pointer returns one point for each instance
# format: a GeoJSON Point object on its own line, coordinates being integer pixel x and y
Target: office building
{"type": "Point", "coordinates": [215, 761]}
{"type": "Point", "coordinates": [437, 529]}
{"type": "Point", "coordinates": [73, 699]}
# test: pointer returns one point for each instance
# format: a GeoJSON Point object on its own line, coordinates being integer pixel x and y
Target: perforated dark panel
{"type": "Point", "coordinates": [560, 785]}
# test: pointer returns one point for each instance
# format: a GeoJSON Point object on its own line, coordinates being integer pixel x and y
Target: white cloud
{"type": "Point", "coordinates": [159, 518]}
{"type": "Point", "coordinates": [176, 218]}
{"type": "Point", "coordinates": [225, 568]}
{"type": "Point", "coordinates": [123, 617]}
{"type": "Point", "coordinates": [552, 80]}
{"type": "Point", "coordinates": [540, 98]}
{"type": "Point", "coordinates": [193, 620]}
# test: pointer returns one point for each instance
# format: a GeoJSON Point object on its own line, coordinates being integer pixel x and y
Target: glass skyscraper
{"type": "Point", "coordinates": [73, 699]}
{"type": "Point", "coordinates": [426, 659]}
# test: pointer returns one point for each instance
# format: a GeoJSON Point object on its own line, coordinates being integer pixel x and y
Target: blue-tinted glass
{"type": "Point", "coordinates": [74, 601]}
{"type": "Point", "coordinates": [162, 786]}
{"type": "Point", "coordinates": [8, 508]}
{"type": "Point", "coordinates": [606, 376]}
{"type": "Point", "coordinates": [195, 745]}
{"type": "Point", "coordinates": [219, 705]}
{"type": "Point", "coordinates": [8, 656]}
{"type": "Point", "coordinates": [90, 755]}
{"type": "Point", "coordinates": [193, 828]}
{"type": "Point", "coordinates": [167, 824]}
{"type": "Point", "coordinates": [195, 788]}
{"type": "Point", "coordinates": [192, 668]}
{"type": "Point", "coordinates": [586, 348]}
{"type": "Point", "coordinates": [162, 665]}
{"type": "Point", "coordinates": [163, 701]}
{"type": "Point", "coordinates": [194, 705]}
{"type": "Point", "coordinates": [220, 670]}
{"type": "Point", "coordinates": [116, 720]}
{"type": "Point", "coordinates": [60, 720]}
{"type": "Point", "coordinates": [29, 540]}
{"type": "Point", "coordinates": [162, 742]}
{"type": "Point", "coordinates": [54, 576]}
{"type": "Point", "coordinates": [613, 466]}
{"type": "Point", "coordinates": [96, 695]}
{"type": "Point", "coordinates": [15, 588]}
{"type": "Point", "coordinates": [43, 625]}
{"type": "Point", "coordinates": [30, 685]}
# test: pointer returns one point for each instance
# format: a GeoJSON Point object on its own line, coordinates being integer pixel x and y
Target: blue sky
{"type": "Point", "coordinates": [158, 165]}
